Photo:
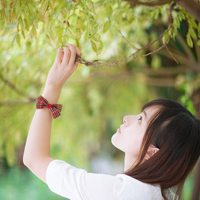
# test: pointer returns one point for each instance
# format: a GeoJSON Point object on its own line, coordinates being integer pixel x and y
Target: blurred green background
{"type": "Point", "coordinates": [95, 99]}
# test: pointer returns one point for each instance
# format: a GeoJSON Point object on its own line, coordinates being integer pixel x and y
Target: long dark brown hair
{"type": "Point", "coordinates": [176, 132]}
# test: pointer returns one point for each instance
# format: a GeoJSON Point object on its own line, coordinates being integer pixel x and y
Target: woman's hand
{"type": "Point", "coordinates": [63, 66]}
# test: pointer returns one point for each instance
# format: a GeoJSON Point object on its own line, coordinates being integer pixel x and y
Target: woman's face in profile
{"type": "Point", "coordinates": [129, 136]}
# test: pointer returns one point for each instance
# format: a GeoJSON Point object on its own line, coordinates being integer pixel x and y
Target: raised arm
{"type": "Point", "coordinates": [37, 150]}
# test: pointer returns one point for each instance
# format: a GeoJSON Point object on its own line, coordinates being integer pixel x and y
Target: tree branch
{"type": "Point", "coordinates": [96, 63]}
{"type": "Point", "coordinates": [125, 38]}
{"type": "Point", "coordinates": [191, 7]}
{"type": "Point", "coordinates": [149, 4]}
{"type": "Point", "coordinates": [183, 60]}
{"type": "Point", "coordinates": [13, 103]}
{"type": "Point", "coordinates": [161, 82]}
{"type": "Point", "coordinates": [185, 46]}
{"type": "Point", "coordinates": [12, 86]}
{"type": "Point", "coordinates": [197, 47]}
{"type": "Point", "coordinates": [166, 71]}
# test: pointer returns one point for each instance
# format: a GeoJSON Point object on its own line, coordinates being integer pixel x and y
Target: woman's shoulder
{"type": "Point", "coordinates": [132, 180]}
{"type": "Point", "coordinates": [62, 175]}
{"type": "Point", "coordinates": [140, 190]}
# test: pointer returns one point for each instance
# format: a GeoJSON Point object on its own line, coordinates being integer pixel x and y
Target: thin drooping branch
{"type": "Point", "coordinates": [191, 7]}
{"type": "Point", "coordinates": [161, 82]}
{"type": "Point", "coordinates": [170, 53]}
{"type": "Point", "coordinates": [139, 56]}
{"type": "Point", "coordinates": [126, 76]}
{"type": "Point", "coordinates": [165, 71]}
{"type": "Point", "coordinates": [14, 103]}
{"type": "Point", "coordinates": [13, 87]}
{"type": "Point", "coordinates": [197, 48]}
{"type": "Point", "coordinates": [182, 58]}
{"type": "Point", "coordinates": [134, 55]}
{"type": "Point", "coordinates": [149, 4]}
{"type": "Point", "coordinates": [187, 49]}
{"type": "Point", "coordinates": [126, 39]}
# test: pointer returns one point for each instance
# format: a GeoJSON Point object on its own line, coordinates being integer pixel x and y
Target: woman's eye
{"type": "Point", "coordinates": [140, 118]}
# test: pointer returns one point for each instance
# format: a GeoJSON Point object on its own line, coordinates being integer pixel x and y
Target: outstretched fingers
{"type": "Point", "coordinates": [75, 51]}
{"type": "Point", "coordinates": [66, 56]}
{"type": "Point", "coordinates": [59, 55]}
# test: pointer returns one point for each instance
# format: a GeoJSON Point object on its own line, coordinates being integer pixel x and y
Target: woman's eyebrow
{"type": "Point", "coordinates": [145, 114]}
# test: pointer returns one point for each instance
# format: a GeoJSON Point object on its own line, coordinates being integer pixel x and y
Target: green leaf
{"type": "Point", "coordinates": [48, 40]}
{"type": "Point", "coordinates": [108, 10]}
{"type": "Point", "coordinates": [100, 48]}
{"type": "Point", "coordinates": [26, 25]}
{"type": "Point", "coordinates": [156, 14]}
{"type": "Point", "coordinates": [23, 34]}
{"type": "Point", "coordinates": [28, 45]}
{"type": "Point", "coordinates": [91, 6]}
{"type": "Point", "coordinates": [94, 31]}
{"type": "Point", "coordinates": [51, 6]}
{"type": "Point", "coordinates": [181, 15]}
{"type": "Point", "coordinates": [177, 22]}
{"type": "Point", "coordinates": [118, 16]}
{"type": "Point", "coordinates": [174, 33]}
{"type": "Point", "coordinates": [64, 13]}
{"type": "Point", "coordinates": [43, 8]}
{"type": "Point", "coordinates": [189, 41]}
{"type": "Point", "coordinates": [198, 43]}
{"type": "Point", "coordinates": [165, 37]}
{"type": "Point", "coordinates": [3, 15]}
{"type": "Point", "coordinates": [29, 8]}
{"type": "Point", "coordinates": [156, 62]}
{"type": "Point", "coordinates": [51, 34]}
{"type": "Point", "coordinates": [94, 46]}
{"type": "Point", "coordinates": [130, 15]}
{"type": "Point", "coordinates": [81, 25]}
{"type": "Point", "coordinates": [152, 14]}
{"type": "Point", "coordinates": [13, 40]}
{"type": "Point", "coordinates": [20, 20]}
{"type": "Point", "coordinates": [4, 4]}
{"type": "Point", "coordinates": [86, 36]}
{"type": "Point", "coordinates": [34, 32]}
{"type": "Point", "coordinates": [193, 23]}
{"type": "Point", "coordinates": [70, 33]}
{"type": "Point", "coordinates": [192, 32]}
{"type": "Point", "coordinates": [58, 43]}
{"type": "Point", "coordinates": [95, 38]}
{"type": "Point", "coordinates": [106, 26]}
{"type": "Point", "coordinates": [190, 106]}
{"type": "Point", "coordinates": [199, 30]}
{"type": "Point", "coordinates": [59, 31]}
{"type": "Point", "coordinates": [18, 39]}
{"type": "Point", "coordinates": [14, 15]}
{"type": "Point", "coordinates": [47, 24]}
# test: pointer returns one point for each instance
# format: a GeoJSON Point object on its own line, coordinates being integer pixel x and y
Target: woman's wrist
{"type": "Point", "coordinates": [52, 93]}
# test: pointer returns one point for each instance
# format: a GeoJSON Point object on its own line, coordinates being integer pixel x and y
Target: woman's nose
{"type": "Point", "coordinates": [127, 119]}
{"type": "Point", "coordinates": [124, 121]}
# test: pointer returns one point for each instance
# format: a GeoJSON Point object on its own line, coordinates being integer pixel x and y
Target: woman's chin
{"type": "Point", "coordinates": [113, 140]}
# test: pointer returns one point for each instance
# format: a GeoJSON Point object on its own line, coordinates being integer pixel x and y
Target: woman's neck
{"type": "Point", "coordinates": [128, 161]}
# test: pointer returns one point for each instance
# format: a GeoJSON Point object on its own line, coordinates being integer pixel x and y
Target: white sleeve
{"type": "Point", "coordinates": [77, 184]}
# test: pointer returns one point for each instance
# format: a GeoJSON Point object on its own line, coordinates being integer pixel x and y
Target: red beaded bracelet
{"type": "Point", "coordinates": [55, 109]}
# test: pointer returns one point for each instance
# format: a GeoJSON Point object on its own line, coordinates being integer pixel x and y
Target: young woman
{"type": "Point", "coordinates": [161, 146]}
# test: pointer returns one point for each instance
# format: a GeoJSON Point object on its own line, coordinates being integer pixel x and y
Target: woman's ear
{"type": "Point", "coordinates": [151, 151]}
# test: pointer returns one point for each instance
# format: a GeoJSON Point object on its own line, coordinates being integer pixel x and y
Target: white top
{"type": "Point", "coordinates": [77, 184]}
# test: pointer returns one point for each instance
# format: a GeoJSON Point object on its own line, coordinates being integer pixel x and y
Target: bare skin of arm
{"type": "Point", "coordinates": [37, 150]}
